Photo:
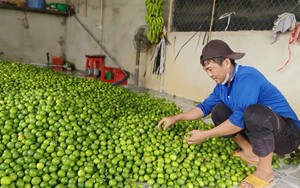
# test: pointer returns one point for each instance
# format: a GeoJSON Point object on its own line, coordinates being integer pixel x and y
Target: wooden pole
{"type": "Point", "coordinates": [211, 21]}
{"type": "Point", "coordinates": [85, 4]}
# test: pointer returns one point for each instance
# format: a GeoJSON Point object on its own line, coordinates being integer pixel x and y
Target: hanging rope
{"type": "Point", "coordinates": [295, 37]}
{"type": "Point", "coordinates": [227, 15]}
{"type": "Point", "coordinates": [159, 55]}
{"type": "Point", "coordinates": [209, 32]}
{"type": "Point", "coordinates": [160, 58]}
{"type": "Point", "coordinates": [184, 45]}
{"type": "Point", "coordinates": [191, 39]}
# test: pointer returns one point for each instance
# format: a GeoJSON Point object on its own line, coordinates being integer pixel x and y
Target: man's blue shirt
{"type": "Point", "coordinates": [247, 86]}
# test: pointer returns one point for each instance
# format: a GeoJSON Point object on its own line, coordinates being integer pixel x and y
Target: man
{"type": "Point", "coordinates": [246, 107]}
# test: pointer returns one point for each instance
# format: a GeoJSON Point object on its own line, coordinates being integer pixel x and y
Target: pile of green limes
{"type": "Point", "coordinates": [58, 130]}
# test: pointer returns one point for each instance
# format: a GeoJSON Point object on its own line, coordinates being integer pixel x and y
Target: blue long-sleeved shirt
{"type": "Point", "coordinates": [248, 86]}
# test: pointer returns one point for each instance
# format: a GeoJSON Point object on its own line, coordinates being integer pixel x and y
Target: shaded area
{"type": "Point", "coordinates": [194, 15]}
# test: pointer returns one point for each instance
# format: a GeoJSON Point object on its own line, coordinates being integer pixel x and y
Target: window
{"type": "Point", "coordinates": [195, 15]}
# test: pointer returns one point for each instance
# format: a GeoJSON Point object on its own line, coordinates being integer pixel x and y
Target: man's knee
{"type": "Point", "coordinates": [254, 110]}
{"type": "Point", "coordinates": [220, 113]}
{"type": "Point", "coordinates": [257, 118]}
{"type": "Point", "coordinates": [259, 129]}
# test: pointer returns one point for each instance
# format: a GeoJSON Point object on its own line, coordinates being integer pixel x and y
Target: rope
{"type": "Point", "coordinates": [227, 15]}
{"type": "Point", "coordinates": [295, 37]}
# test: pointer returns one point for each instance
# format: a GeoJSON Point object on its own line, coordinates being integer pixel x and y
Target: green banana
{"type": "Point", "coordinates": [154, 19]}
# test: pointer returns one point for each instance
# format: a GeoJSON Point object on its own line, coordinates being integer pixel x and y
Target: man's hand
{"type": "Point", "coordinates": [166, 122]}
{"type": "Point", "coordinates": [195, 137]}
{"type": "Point", "coordinates": [192, 114]}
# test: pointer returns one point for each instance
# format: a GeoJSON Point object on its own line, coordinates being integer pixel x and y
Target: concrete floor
{"type": "Point", "coordinates": [287, 176]}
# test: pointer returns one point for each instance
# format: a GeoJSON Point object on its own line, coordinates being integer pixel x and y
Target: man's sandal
{"type": "Point", "coordinates": [236, 154]}
{"type": "Point", "coordinates": [255, 181]}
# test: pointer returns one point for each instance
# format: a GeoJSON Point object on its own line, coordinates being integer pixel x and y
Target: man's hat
{"type": "Point", "coordinates": [218, 48]}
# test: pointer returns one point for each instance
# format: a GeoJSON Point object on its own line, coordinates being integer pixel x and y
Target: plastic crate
{"type": "Point", "coordinates": [57, 63]}
{"type": "Point", "coordinates": [117, 75]}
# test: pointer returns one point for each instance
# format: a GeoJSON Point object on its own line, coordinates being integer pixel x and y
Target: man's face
{"type": "Point", "coordinates": [215, 71]}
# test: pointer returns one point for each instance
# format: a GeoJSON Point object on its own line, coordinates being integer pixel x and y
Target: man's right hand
{"type": "Point", "coordinates": [166, 122]}
{"type": "Point", "coordinates": [192, 114]}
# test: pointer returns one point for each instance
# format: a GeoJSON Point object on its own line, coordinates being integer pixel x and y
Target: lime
{"type": "Point", "coordinates": [287, 161]}
{"type": "Point", "coordinates": [276, 166]}
{"type": "Point", "coordinates": [36, 180]}
{"type": "Point", "coordinates": [173, 157]}
{"type": "Point", "coordinates": [295, 162]}
{"type": "Point", "coordinates": [5, 180]}
{"type": "Point", "coordinates": [112, 182]}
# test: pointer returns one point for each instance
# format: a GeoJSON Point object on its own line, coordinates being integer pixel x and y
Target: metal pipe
{"type": "Point", "coordinates": [127, 74]}
{"type": "Point", "coordinates": [137, 67]}
{"type": "Point", "coordinates": [99, 43]}
{"type": "Point", "coordinates": [170, 16]}
{"type": "Point", "coordinates": [50, 65]}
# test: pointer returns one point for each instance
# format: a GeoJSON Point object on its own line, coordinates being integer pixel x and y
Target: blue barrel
{"type": "Point", "coordinates": [39, 4]}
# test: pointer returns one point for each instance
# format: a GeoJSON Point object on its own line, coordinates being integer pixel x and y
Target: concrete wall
{"type": "Point", "coordinates": [28, 36]}
{"type": "Point", "coordinates": [113, 24]}
{"type": "Point", "coordinates": [185, 77]}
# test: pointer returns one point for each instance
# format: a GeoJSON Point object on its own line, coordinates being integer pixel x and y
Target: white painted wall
{"type": "Point", "coordinates": [114, 24]}
{"type": "Point", "coordinates": [186, 78]}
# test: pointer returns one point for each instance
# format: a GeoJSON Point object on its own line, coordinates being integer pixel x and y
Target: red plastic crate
{"type": "Point", "coordinates": [57, 63]}
{"type": "Point", "coordinates": [118, 75]}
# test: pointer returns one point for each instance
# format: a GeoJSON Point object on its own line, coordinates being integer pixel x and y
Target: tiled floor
{"type": "Point", "coordinates": [287, 176]}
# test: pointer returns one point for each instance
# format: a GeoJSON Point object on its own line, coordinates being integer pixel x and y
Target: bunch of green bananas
{"type": "Point", "coordinates": [154, 19]}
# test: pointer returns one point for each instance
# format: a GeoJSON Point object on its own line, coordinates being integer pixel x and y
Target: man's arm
{"type": "Point", "coordinates": [192, 114]}
{"type": "Point", "coordinates": [225, 128]}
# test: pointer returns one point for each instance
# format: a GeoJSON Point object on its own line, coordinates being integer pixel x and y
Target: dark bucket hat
{"type": "Point", "coordinates": [218, 48]}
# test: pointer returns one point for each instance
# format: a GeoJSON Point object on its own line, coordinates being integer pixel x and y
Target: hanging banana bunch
{"type": "Point", "coordinates": [154, 19]}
